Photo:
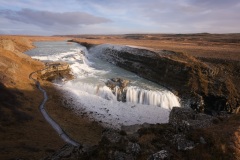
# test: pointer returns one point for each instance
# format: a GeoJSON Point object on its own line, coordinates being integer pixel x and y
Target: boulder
{"type": "Point", "coordinates": [118, 87]}
{"type": "Point", "coordinates": [182, 143]}
{"type": "Point", "coordinates": [184, 119]}
{"type": "Point", "coordinates": [161, 155]}
{"type": "Point", "coordinates": [133, 148]}
{"type": "Point", "coordinates": [118, 155]}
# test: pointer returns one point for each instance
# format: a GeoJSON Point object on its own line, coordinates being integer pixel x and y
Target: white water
{"type": "Point", "coordinates": [164, 99]}
{"type": "Point", "coordinates": [146, 101]}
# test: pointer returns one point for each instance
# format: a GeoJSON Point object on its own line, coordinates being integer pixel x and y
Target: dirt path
{"type": "Point", "coordinates": [54, 125]}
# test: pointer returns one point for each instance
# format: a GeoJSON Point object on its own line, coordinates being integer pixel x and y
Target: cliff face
{"type": "Point", "coordinates": [203, 86]}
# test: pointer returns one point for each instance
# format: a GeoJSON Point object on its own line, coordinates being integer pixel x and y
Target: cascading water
{"type": "Point", "coordinates": [146, 102]}
{"type": "Point", "coordinates": [99, 90]}
{"type": "Point", "coordinates": [163, 99]}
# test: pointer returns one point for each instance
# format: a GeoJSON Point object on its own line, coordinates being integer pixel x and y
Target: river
{"type": "Point", "coordinates": [147, 102]}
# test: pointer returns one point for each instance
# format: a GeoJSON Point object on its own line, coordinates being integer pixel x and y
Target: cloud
{"type": "Point", "coordinates": [159, 16]}
{"type": "Point", "coordinates": [47, 18]}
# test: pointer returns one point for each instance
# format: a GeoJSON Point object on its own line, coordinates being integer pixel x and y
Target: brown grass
{"type": "Point", "coordinates": [24, 133]}
{"type": "Point", "coordinates": [223, 46]}
{"type": "Point", "coordinates": [222, 141]}
{"type": "Point", "coordinates": [79, 128]}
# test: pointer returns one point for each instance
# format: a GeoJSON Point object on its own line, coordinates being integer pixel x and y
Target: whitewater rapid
{"type": "Point", "coordinates": [88, 95]}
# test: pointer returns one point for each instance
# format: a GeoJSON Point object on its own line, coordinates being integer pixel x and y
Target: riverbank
{"type": "Point", "coordinates": [206, 85]}
{"type": "Point", "coordinates": [26, 135]}
{"type": "Point", "coordinates": [201, 80]}
{"type": "Point", "coordinates": [219, 46]}
{"type": "Point", "coordinates": [24, 132]}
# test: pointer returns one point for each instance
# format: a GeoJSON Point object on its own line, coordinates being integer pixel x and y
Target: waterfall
{"type": "Point", "coordinates": [99, 90]}
{"type": "Point", "coordinates": [89, 94]}
{"type": "Point", "coordinates": [116, 90]}
{"type": "Point", "coordinates": [164, 99]}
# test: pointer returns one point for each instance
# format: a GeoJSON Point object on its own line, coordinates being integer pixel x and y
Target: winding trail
{"type": "Point", "coordinates": [54, 124]}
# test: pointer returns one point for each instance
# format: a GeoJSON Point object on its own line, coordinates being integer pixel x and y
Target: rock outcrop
{"type": "Point", "coordinates": [185, 119]}
{"type": "Point", "coordinates": [203, 86]}
{"type": "Point", "coordinates": [148, 142]}
{"type": "Point", "coordinates": [118, 87]}
{"type": "Point", "coordinates": [87, 45]}
{"type": "Point", "coordinates": [55, 71]}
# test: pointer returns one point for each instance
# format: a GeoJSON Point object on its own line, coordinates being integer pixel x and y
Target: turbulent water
{"type": "Point", "coordinates": [147, 102]}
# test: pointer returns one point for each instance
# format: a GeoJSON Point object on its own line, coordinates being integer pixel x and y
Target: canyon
{"type": "Point", "coordinates": [208, 85]}
{"type": "Point", "coordinates": [202, 85]}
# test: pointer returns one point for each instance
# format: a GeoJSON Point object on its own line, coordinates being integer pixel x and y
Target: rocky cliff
{"type": "Point", "coordinates": [55, 71]}
{"type": "Point", "coordinates": [203, 85]}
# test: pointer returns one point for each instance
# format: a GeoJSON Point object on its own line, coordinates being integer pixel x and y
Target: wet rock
{"type": "Point", "coordinates": [161, 155]}
{"type": "Point", "coordinates": [197, 103]}
{"type": "Point", "coordinates": [118, 86]}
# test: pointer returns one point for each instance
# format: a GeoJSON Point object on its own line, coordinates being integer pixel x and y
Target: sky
{"type": "Point", "coordinates": [62, 17]}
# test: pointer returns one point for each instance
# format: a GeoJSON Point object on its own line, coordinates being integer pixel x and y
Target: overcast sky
{"type": "Point", "coordinates": [50, 17]}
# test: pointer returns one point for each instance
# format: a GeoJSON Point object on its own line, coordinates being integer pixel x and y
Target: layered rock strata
{"type": "Point", "coordinates": [201, 85]}
{"type": "Point", "coordinates": [55, 71]}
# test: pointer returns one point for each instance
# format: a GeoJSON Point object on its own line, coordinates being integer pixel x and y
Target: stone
{"type": "Point", "coordinates": [195, 80]}
{"type": "Point", "coordinates": [111, 135]}
{"type": "Point", "coordinates": [182, 143]}
{"type": "Point", "coordinates": [161, 155]}
{"type": "Point", "coordinates": [131, 129]}
{"type": "Point", "coordinates": [202, 140]}
{"type": "Point", "coordinates": [183, 119]}
{"type": "Point", "coordinates": [122, 156]}
{"type": "Point", "coordinates": [133, 148]}
{"type": "Point", "coordinates": [55, 71]}
{"type": "Point", "coordinates": [118, 86]}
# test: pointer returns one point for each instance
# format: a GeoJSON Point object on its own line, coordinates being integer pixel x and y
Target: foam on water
{"type": "Point", "coordinates": [164, 99]}
{"type": "Point", "coordinates": [112, 113]}
{"type": "Point", "coordinates": [146, 101]}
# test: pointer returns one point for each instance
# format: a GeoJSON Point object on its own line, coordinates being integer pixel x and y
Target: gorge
{"type": "Point", "coordinates": [146, 102]}
{"type": "Point", "coordinates": [200, 84]}
{"type": "Point", "coordinates": [205, 84]}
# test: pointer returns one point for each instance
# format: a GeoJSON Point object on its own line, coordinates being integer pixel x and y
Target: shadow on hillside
{"type": "Point", "coordinates": [11, 107]}
{"type": "Point", "coordinates": [24, 133]}
{"type": "Point", "coordinates": [222, 140]}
